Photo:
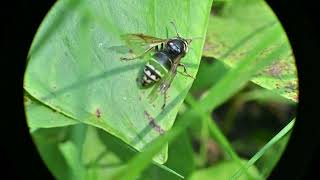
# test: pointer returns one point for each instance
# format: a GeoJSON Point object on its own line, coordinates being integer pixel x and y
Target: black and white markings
{"type": "Point", "coordinates": [185, 46]}
{"type": "Point", "coordinates": [151, 75]}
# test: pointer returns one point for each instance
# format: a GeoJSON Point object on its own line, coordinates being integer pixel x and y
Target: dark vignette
{"type": "Point", "coordinates": [18, 154]}
{"type": "Point", "coordinates": [299, 20]}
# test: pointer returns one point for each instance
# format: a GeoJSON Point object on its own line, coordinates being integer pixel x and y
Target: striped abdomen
{"type": "Point", "coordinates": [156, 68]}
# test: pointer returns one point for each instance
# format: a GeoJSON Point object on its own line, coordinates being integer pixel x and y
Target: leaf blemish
{"type": "Point", "coordinates": [98, 113]}
{"type": "Point", "coordinates": [153, 123]}
{"type": "Point", "coordinates": [276, 69]}
{"type": "Point", "coordinates": [291, 87]}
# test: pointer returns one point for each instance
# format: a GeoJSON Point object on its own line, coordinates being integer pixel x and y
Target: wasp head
{"type": "Point", "coordinates": [178, 46]}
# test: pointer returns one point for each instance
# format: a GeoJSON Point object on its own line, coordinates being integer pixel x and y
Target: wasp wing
{"type": "Point", "coordinates": [164, 84]}
{"type": "Point", "coordinates": [139, 42]}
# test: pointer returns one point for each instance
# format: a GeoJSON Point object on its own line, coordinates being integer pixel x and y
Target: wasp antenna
{"type": "Point", "coordinates": [167, 33]}
{"type": "Point", "coordinates": [175, 27]}
{"type": "Point", "coordinates": [199, 37]}
{"type": "Point", "coordinates": [191, 39]}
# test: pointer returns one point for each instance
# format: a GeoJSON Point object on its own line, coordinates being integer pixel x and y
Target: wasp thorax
{"type": "Point", "coordinates": [178, 46]}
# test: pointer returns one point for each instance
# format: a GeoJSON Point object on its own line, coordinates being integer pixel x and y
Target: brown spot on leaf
{"type": "Point", "coordinates": [291, 87]}
{"type": "Point", "coordinates": [276, 69]}
{"type": "Point", "coordinates": [98, 113]}
{"type": "Point", "coordinates": [153, 123]}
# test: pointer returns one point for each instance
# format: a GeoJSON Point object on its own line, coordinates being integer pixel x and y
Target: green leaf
{"type": "Point", "coordinates": [270, 158]}
{"type": "Point", "coordinates": [81, 152]}
{"type": "Point", "coordinates": [221, 171]}
{"type": "Point", "coordinates": [124, 153]}
{"type": "Point", "coordinates": [77, 69]}
{"type": "Point", "coordinates": [181, 158]}
{"type": "Point", "coordinates": [209, 67]}
{"type": "Point", "coordinates": [73, 157]}
{"type": "Point", "coordinates": [237, 29]}
{"type": "Point", "coordinates": [42, 116]}
{"type": "Point", "coordinates": [48, 141]}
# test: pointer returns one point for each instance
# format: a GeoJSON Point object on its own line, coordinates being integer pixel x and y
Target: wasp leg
{"type": "Point", "coordinates": [163, 89]}
{"type": "Point", "coordinates": [185, 73]}
{"type": "Point", "coordinates": [164, 100]}
{"type": "Point", "coordinates": [138, 56]}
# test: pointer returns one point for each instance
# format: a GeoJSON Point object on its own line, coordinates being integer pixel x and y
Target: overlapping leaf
{"type": "Point", "coordinates": [237, 28]}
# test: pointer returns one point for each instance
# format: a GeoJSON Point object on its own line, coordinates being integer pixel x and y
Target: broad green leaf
{"type": "Point", "coordinates": [77, 70]}
{"type": "Point", "coordinates": [41, 116]}
{"type": "Point", "coordinates": [221, 171]}
{"type": "Point", "coordinates": [234, 31]}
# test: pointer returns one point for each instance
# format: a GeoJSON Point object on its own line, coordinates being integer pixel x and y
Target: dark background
{"type": "Point", "coordinates": [19, 157]}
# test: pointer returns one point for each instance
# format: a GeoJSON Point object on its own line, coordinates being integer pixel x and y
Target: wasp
{"type": "Point", "coordinates": [161, 67]}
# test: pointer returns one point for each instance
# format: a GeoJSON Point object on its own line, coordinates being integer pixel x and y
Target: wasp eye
{"type": "Point", "coordinates": [174, 47]}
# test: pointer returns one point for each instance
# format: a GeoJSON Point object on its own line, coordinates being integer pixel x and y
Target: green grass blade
{"type": "Point", "coordinates": [141, 161]}
{"type": "Point", "coordinates": [262, 151]}
{"type": "Point", "coordinates": [233, 81]}
{"type": "Point", "coordinates": [218, 135]}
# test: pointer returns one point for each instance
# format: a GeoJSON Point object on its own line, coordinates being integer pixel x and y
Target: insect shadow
{"type": "Point", "coordinates": [90, 80]}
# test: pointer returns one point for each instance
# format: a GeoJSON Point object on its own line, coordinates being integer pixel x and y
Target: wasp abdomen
{"type": "Point", "coordinates": [150, 75]}
{"type": "Point", "coordinates": [155, 69]}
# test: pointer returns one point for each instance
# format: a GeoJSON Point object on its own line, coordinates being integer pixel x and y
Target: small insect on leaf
{"type": "Point", "coordinates": [161, 67]}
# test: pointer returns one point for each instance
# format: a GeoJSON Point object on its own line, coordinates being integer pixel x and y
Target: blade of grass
{"type": "Point", "coordinates": [275, 139]}
{"type": "Point", "coordinates": [204, 140]}
{"type": "Point", "coordinates": [140, 161]}
{"type": "Point", "coordinates": [72, 156]}
{"type": "Point", "coordinates": [234, 80]}
{"type": "Point", "coordinates": [218, 135]}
